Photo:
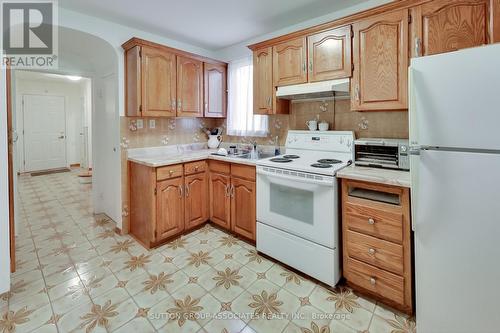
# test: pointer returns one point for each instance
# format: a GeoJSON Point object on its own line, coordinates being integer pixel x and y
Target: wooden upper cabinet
{"type": "Point", "coordinates": [150, 82]}
{"type": "Point", "coordinates": [189, 87]}
{"type": "Point", "coordinates": [196, 188]}
{"type": "Point", "coordinates": [215, 97]}
{"type": "Point", "coordinates": [448, 25]}
{"type": "Point", "coordinates": [243, 207]}
{"type": "Point", "coordinates": [330, 54]}
{"type": "Point", "coordinates": [263, 81]}
{"type": "Point", "coordinates": [169, 208]}
{"type": "Point", "coordinates": [380, 55]}
{"type": "Point", "coordinates": [289, 62]}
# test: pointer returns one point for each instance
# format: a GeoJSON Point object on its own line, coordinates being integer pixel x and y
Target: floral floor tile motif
{"type": "Point", "coordinates": [75, 274]}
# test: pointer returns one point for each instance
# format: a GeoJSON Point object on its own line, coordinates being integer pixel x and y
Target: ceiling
{"type": "Point", "coordinates": [211, 24]}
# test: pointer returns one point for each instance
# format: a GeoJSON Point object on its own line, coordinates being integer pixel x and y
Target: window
{"type": "Point", "coordinates": [240, 118]}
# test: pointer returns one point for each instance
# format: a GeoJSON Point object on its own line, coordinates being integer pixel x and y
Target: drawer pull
{"type": "Point", "coordinates": [372, 251]}
{"type": "Point", "coordinates": [371, 221]}
{"type": "Point", "coordinates": [196, 168]}
{"type": "Point", "coordinates": [171, 172]}
{"type": "Point", "coordinates": [373, 281]}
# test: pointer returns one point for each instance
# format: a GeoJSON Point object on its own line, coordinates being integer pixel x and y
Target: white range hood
{"type": "Point", "coordinates": [321, 89]}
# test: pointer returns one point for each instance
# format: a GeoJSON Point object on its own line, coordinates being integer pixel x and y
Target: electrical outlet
{"type": "Point", "coordinates": [152, 123]}
{"type": "Point", "coordinates": [140, 123]}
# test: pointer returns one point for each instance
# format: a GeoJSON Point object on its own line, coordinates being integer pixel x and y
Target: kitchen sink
{"type": "Point", "coordinates": [259, 156]}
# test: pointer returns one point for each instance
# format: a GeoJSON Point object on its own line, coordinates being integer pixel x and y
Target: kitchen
{"type": "Point", "coordinates": [321, 183]}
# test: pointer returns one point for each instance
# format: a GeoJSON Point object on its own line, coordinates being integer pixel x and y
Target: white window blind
{"type": "Point", "coordinates": [240, 118]}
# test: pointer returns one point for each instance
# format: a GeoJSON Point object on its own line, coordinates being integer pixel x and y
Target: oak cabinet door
{"type": "Point", "coordinates": [169, 208]}
{"type": "Point", "coordinates": [243, 214]}
{"type": "Point", "coordinates": [215, 97]}
{"type": "Point", "coordinates": [330, 54]}
{"type": "Point", "coordinates": [189, 87]}
{"type": "Point", "coordinates": [380, 54]}
{"type": "Point", "coordinates": [263, 81]}
{"type": "Point", "coordinates": [289, 62]}
{"type": "Point", "coordinates": [196, 192]}
{"type": "Point", "coordinates": [220, 202]}
{"type": "Point", "coordinates": [448, 25]}
{"type": "Point", "coordinates": [158, 82]}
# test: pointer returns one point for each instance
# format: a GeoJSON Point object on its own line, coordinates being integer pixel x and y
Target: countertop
{"type": "Point", "coordinates": [162, 156]}
{"type": "Point", "coordinates": [376, 175]}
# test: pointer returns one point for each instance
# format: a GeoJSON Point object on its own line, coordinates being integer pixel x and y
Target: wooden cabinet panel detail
{"type": "Point", "coordinates": [263, 80]}
{"type": "Point", "coordinates": [189, 87]}
{"type": "Point", "coordinates": [330, 54]}
{"type": "Point", "coordinates": [445, 25]}
{"type": "Point", "coordinates": [215, 97]}
{"type": "Point", "coordinates": [220, 202]}
{"type": "Point", "coordinates": [196, 193]}
{"type": "Point", "coordinates": [243, 213]}
{"type": "Point", "coordinates": [289, 62]}
{"type": "Point", "coordinates": [158, 83]}
{"type": "Point", "coordinates": [381, 62]}
{"type": "Point", "coordinates": [169, 208]}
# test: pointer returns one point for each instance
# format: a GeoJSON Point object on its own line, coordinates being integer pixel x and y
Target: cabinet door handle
{"type": "Point", "coordinates": [418, 46]}
{"type": "Point", "coordinates": [226, 191]}
{"type": "Point", "coordinates": [310, 66]}
{"type": "Point", "coordinates": [181, 191]}
{"type": "Point", "coordinates": [232, 191]}
{"type": "Point", "coordinates": [206, 106]}
{"type": "Point", "coordinates": [179, 104]}
{"type": "Point", "coordinates": [372, 251]}
{"type": "Point", "coordinates": [373, 281]}
{"type": "Point", "coordinates": [173, 104]}
{"type": "Point", "coordinates": [269, 100]}
{"type": "Point", "coordinates": [371, 221]}
{"type": "Point", "coordinates": [187, 190]}
{"type": "Point", "coordinates": [357, 93]}
{"type": "Point", "coordinates": [304, 67]}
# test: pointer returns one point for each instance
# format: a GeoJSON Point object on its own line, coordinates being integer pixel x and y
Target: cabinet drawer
{"type": "Point", "coordinates": [243, 171]}
{"type": "Point", "coordinates": [195, 167]}
{"type": "Point", "coordinates": [373, 221]}
{"type": "Point", "coordinates": [376, 252]}
{"type": "Point", "coordinates": [219, 167]}
{"type": "Point", "coordinates": [378, 281]}
{"type": "Point", "coordinates": [169, 171]}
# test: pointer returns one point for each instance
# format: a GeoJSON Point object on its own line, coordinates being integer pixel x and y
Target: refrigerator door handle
{"type": "Point", "coordinates": [415, 150]}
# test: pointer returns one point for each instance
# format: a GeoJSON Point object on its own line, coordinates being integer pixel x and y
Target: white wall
{"type": "Point", "coordinates": [107, 181]}
{"type": "Point", "coordinates": [241, 50]}
{"type": "Point", "coordinates": [4, 192]}
{"type": "Point", "coordinates": [73, 93]}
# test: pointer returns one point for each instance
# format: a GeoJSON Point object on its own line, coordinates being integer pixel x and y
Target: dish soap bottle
{"type": "Point", "coordinates": [276, 147]}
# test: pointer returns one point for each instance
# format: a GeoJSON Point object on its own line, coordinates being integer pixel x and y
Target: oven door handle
{"type": "Point", "coordinates": [326, 181]}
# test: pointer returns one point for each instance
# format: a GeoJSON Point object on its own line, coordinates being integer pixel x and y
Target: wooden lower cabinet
{"type": "Point", "coordinates": [169, 208]}
{"type": "Point", "coordinates": [196, 199]}
{"type": "Point", "coordinates": [233, 198]}
{"type": "Point", "coordinates": [170, 200]}
{"type": "Point", "coordinates": [220, 202]}
{"type": "Point", "coordinates": [377, 241]}
{"type": "Point", "coordinates": [243, 214]}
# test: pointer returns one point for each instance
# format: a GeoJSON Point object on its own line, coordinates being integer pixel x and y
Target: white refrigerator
{"type": "Point", "coordinates": [455, 170]}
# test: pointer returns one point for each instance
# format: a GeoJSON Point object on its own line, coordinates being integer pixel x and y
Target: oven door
{"type": "Point", "coordinates": [301, 206]}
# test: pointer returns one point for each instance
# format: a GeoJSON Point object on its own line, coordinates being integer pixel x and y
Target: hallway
{"type": "Point", "coordinates": [74, 273]}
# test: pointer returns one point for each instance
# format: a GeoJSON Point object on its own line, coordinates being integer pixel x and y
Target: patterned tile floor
{"type": "Point", "coordinates": [75, 274]}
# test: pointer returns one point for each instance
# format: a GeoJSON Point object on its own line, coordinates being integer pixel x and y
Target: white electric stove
{"type": "Point", "coordinates": [297, 202]}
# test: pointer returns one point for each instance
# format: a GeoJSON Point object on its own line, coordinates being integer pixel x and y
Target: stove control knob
{"type": "Point", "coordinates": [404, 149]}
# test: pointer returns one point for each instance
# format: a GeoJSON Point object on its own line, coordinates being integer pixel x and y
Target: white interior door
{"type": "Point", "coordinates": [44, 132]}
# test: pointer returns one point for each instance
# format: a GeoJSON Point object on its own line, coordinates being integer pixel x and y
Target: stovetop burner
{"type": "Point", "coordinates": [329, 161]}
{"type": "Point", "coordinates": [293, 157]}
{"type": "Point", "coordinates": [321, 165]}
{"type": "Point", "coordinates": [280, 160]}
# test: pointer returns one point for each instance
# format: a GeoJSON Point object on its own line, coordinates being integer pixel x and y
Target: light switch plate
{"type": "Point", "coordinates": [152, 123]}
{"type": "Point", "coordinates": [140, 123]}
